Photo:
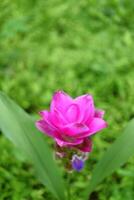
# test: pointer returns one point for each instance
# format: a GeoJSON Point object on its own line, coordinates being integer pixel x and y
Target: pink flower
{"type": "Point", "coordinates": [71, 122]}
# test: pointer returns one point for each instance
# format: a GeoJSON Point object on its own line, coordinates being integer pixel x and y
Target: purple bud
{"type": "Point", "coordinates": [77, 162]}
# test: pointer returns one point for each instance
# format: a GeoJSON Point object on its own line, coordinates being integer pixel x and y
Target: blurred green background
{"type": "Point", "coordinates": [79, 47]}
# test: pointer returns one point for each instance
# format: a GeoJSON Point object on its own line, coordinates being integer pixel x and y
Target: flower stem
{"type": "Point", "coordinates": [69, 187]}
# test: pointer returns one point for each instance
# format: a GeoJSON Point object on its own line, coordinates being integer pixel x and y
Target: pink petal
{"type": "Point", "coordinates": [99, 113]}
{"type": "Point", "coordinates": [86, 146]}
{"type": "Point", "coordinates": [44, 114]}
{"type": "Point", "coordinates": [86, 106]}
{"type": "Point", "coordinates": [46, 117]}
{"type": "Point", "coordinates": [74, 129]}
{"type": "Point", "coordinates": [44, 127]}
{"type": "Point", "coordinates": [48, 129]}
{"type": "Point", "coordinates": [72, 113]}
{"type": "Point", "coordinates": [96, 125]}
{"type": "Point", "coordinates": [58, 119]}
{"type": "Point", "coordinates": [60, 101]}
{"type": "Point", "coordinates": [62, 143]}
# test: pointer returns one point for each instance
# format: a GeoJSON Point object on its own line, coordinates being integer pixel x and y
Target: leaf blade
{"type": "Point", "coordinates": [115, 156]}
{"type": "Point", "coordinates": [19, 127]}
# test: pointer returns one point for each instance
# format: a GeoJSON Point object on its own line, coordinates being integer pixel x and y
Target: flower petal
{"type": "Point", "coordinates": [62, 143]}
{"type": "Point", "coordinates": [77, 163]}
{"type": "Point", "coordinates": [86, 106]}
{"type": "Point", "coordinates": [96, 125]}
{"type": "Point", "coordinates": [99, 113]}
{"type": "Point", "coordinates": [74, 129]}
{"type": "Point", "coordinates": [57, 118]}
{"type": "Point", "coordinates": [60, 101]}
{"type": "Point", "coordinates": [86, 146]}
{"type": "Point", "coordinates": [44, 114]}
{"type": "Point", "coordinates": [44, 127]}
{"type": "Point", "coordinates": [72, 113]}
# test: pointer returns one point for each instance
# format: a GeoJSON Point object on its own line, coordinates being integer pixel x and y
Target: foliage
{"type": "Point", "coordinates": [80, 47]}
{"type": "Point", "coordinates": [20, 129]}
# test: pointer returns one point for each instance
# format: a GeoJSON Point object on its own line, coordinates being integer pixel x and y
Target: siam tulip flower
{"type": "Point", "coordinates": [71, 123]}
{"type": "Point", "coordinates": [77, 162]}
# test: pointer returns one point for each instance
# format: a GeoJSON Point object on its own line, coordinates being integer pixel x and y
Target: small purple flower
{"type": "Point", "coordinates": [77, 162]}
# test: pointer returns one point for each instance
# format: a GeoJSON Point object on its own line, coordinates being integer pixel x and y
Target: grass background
{"type": "Point", "coordinates": [79, 47]}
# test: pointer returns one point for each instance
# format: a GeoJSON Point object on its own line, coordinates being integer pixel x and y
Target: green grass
{"type": "Point", "coordinates": [78, 46]}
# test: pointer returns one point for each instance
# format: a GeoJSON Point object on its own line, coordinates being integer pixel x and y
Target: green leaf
{"type": "Point", "coordinates": [116, 155]}
{"type": "Point", "coordinates": [20, 128]}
